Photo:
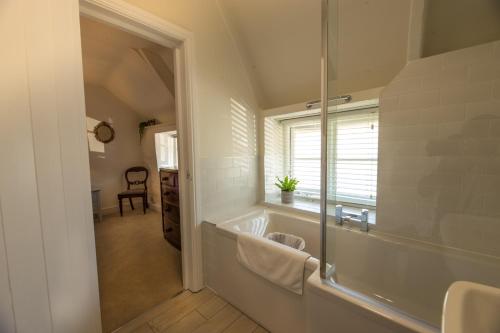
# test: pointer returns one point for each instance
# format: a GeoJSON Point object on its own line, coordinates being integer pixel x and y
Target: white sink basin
{"type": "Point", "coordinates": [471, 308]}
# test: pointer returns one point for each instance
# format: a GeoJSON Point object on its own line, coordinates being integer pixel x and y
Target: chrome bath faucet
{"type": "Point", "coordinates": [361, 219]}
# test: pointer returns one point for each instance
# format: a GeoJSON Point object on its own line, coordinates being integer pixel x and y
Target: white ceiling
{"type": "Point", "coordinates": [280, 40]}
{"type": "Point", "coordinates": [116, 60]}
{"type": "Point", "coordinates": [372, 42]}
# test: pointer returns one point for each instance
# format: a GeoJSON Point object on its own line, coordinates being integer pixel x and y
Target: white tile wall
{"type": "Point", "coordinates": [228, 165]}
{"type": "Point", "coordinates": [439, 163]}
{"type": "Point", "coordinates": [229, 184]}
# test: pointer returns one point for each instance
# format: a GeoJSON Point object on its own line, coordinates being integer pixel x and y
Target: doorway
{"type": "Point", "coordinates": [130, 103]}
{"type": "Point", "coordinates": [139, 23]}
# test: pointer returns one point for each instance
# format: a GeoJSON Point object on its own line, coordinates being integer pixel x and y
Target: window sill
{"type": "Point", "coordinates": [313, 206]}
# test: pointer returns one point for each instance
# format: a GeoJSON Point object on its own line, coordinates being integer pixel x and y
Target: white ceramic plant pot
{"type": "Point", "coordinates": [286, 197]}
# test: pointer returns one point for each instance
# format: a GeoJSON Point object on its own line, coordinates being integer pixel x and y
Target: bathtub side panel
{"type": "Point", "coordinates": [341, 316]}
{"type": "Point", "coordinates": [275, 308]}
{"type": "Point", "coordinates": [208, 234]}
{"type": "Point", "coordinates": [327, 314]}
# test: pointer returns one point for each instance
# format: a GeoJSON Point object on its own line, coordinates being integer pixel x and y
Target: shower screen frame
{"type": "Point", "coordinates": [324, 136]}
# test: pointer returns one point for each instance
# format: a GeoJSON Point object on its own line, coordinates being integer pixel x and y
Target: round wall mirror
{"type": "Point", "coordinates": [104, 132]}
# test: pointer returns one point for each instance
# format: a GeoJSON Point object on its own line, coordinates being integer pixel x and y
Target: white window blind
{"type": "Point", "coordinates": [305, 157]}
{"type": "Point", "coordinates": [352, 156]}
{"type": "Point", "coordinates": [353, 175]}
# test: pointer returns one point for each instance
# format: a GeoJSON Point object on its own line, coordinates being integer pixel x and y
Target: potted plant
{"type": "Point", "coordinates": [144, 124]}
{"type": "Point", "coordinates": [287, 187]}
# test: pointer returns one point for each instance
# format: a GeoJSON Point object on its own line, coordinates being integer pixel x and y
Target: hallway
{"type": "Point", "coordinates": [137, 268]}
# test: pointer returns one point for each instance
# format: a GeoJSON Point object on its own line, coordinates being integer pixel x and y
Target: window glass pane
{"type": "Point", "coordinates": [355, 164]}
{"type": "Point", "coordinates": [166, 149]}
{"type": "Point", "coordinates": [305, 161]}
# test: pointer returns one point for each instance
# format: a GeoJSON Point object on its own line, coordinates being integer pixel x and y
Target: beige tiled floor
{"type": "Point", "coordinates": [137, 268]}
{"type": "Point", "coordinates": [202, 312]}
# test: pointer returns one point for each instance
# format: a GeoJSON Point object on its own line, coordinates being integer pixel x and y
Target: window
{"type": "Point", "coordinates": [166, 149]}
{"type": "Point", "coordinates": [304, 155]}
{"type": "Point", "coordinates": [352, 155]}
{"type": "Point", "coordinates": [354, 171]}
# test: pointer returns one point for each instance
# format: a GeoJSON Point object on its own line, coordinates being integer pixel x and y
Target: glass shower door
{"type": "Point", "coordinates": [411, 149]}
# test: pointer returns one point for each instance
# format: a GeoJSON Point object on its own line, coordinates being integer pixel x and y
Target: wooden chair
{"type": "Point", "coordinates": [135, 192]}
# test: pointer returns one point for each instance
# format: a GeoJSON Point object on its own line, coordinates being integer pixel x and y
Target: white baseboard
{"type": "Point", "coordinates": [110, 210]}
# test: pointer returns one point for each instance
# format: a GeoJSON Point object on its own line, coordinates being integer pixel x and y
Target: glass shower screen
{"type": "Point", "coordinates": [411, 149]}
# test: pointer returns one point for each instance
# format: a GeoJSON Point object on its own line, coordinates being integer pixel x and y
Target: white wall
{"type": "Point", "coordinates": [439, 150]}
{"type": "Point", "coordinates": [126, 150]}
{"type": "Point", "coordinates": [48, 277]}
{"type": "Point", "coordinates": [227, 137]}
{"type": "Point", "coordinates": [107, 170]}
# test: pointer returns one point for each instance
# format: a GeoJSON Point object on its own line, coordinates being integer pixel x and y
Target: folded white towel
{"type": "Point", "coordinates": [273, 261]}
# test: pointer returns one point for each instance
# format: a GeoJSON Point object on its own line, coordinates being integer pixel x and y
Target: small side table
{"type": "Point", "coordinates": [96, 203]}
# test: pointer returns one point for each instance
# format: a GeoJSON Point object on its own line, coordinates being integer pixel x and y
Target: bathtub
{"type": "Point", "coordinates": [381, 283]}
{"type": "Point", "coordinates": [275, 308]}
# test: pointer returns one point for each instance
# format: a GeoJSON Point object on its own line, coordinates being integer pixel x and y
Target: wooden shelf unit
{"type": "Point", "coordinates": [170, 211]}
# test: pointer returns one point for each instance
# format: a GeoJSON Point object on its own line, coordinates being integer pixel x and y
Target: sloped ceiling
{"type": "Point", "coordinates": [372, 43]}
{"type": "Point", "coordinates": [136, 71]}
{"type": "Point", "coordinates": [280, 41]}
{"type": "Point", "coordinates": [456, 24]}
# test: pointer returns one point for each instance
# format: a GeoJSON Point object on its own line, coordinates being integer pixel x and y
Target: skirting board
{"type": "Point", "coordinates": [110, 210]}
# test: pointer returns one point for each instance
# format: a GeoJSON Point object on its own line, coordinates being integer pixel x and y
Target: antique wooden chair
{"type": "Point", "coordinates": [135, 192]}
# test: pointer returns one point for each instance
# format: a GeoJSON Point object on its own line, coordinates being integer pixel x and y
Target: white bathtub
{"type": "Point", "coordinates": [275, 308]}
{"type": "Point", "coordinates": [382, 283]}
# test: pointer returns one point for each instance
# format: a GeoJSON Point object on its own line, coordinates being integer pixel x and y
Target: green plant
{"type": "Point", "coordinates": [144, 124]}
{"type": "Point", "coordinates": [288, 184]}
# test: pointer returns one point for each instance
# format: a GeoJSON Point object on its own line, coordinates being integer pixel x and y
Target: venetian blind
{"type": "Point", "coordinates": [353, 168]}
{"type": "Point", "coordinates": [352, 156]}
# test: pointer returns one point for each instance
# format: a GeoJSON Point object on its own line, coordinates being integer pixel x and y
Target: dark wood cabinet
{"type": "Point", "coordinates": [171, 217]}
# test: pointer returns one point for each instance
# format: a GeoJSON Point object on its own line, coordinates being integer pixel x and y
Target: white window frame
{"type": "Point", "coordinates": [312, 121]}
{"type": "Point", "coordinates": [288, 126]}
{"type": "Point", "coordinates": [171, 151]}
{"type": "Point", "coordinates": [349, 200]}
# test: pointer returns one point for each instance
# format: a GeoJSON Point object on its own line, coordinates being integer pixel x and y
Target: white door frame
{"type": "Point", "coordinates": [139, 22]}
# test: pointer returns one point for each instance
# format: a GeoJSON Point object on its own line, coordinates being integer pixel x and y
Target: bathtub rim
{"type": "Point", "coordinates": [380, 235]}
{"type": "Point", "coordinates": [308, 217]}
{"type": "Point", "coordinates": [312, 263]}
